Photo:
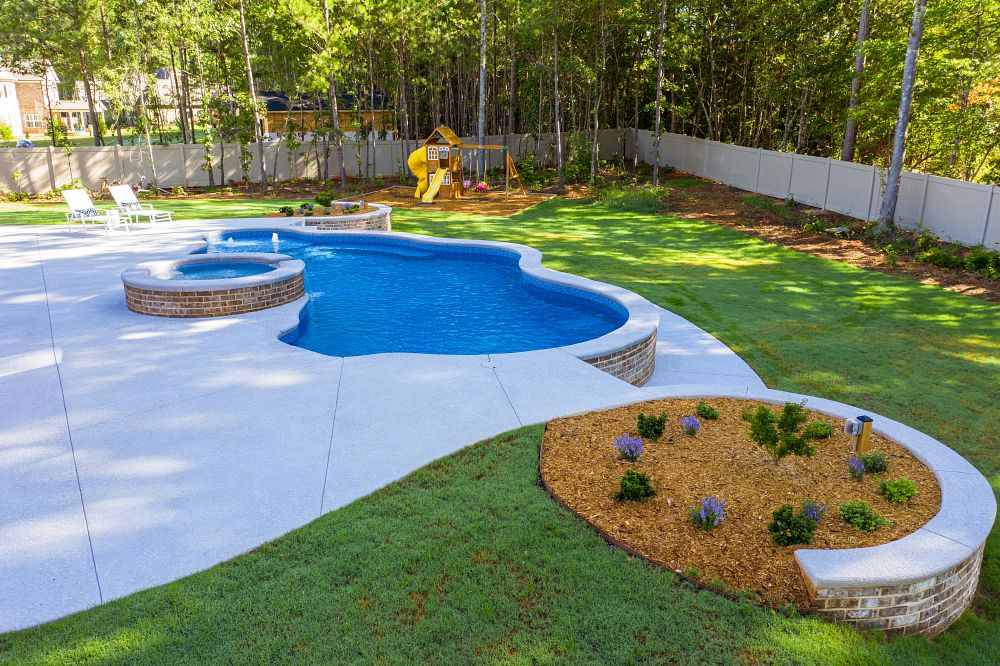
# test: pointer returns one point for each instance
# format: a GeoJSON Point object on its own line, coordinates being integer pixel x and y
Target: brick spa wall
{"type": "Point", "coordinates": [633, 364]}
{"type": "Point", "coordinates": [147, 294]}
{"type": "Point", "coordinates": [380, 220]}
{"type": "Point", "coordinates": [926, 606]}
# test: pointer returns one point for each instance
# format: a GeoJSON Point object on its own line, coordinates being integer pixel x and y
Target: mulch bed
{"type": "Point", "coordinates": [581, 468]}
{"type": "Point", "coordinates": [491, 203]}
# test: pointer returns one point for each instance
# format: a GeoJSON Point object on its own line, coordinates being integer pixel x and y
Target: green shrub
{"type": "Point", "coordinates": [651, 426]}
{"type": "Point", "coordinates": [178, 191]}
{"type": "Point", "coordinates": [899, 491]}
{"type": "Point", "coordinates": [981, 261]}
{"type": "Point", "coordinates": [860, 515]}
{"type": "Point", "coordinates": [818, 430]}
{"type": "Point", "coordinates": [643, 199]}
{"type": "Point", "coordinates": [789, 527]}
{"type": "Point", "coordinates": [941, 256]}
{"type": "Point", "coordinates": [780, 436]}
{"type": "Point", "coordinates": [874, 462]}
{"type": "Point", "coordinates": [324, 199]}
{"type": "Point", "coordinates": [634, 486]}
{"type": "Point", "coordinates": [706, 411]}
{"type": "Point", "coordinates": [287, 210]}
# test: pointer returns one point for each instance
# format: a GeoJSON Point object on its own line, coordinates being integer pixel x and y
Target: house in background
{"type": "Point", "coordinates": [27, 99]}
{"type": "Point", "coordinates": [301, 114]}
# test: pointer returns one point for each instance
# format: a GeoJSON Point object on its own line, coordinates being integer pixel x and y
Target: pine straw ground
{"type": "Point", "coordinates": [581, 468]}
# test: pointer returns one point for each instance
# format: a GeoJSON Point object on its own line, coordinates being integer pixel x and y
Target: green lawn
{"type": "Point", "coordinates": [55, 212]}
{"type": "Point", "coordinates": [469, 560]}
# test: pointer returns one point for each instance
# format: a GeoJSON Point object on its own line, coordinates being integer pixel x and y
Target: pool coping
{"type": "Point", "coordinates": [643, 317]}
{"type": "Point", "coordinates": [143, 275]}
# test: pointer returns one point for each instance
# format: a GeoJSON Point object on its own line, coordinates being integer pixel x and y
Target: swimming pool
{"type": "Point", "coordinates": [373, 294]}
{"type": "Point", "coordinates": [221, 270]}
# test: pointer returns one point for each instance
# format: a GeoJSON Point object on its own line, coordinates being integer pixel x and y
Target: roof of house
{"type": "Point", "coordinates": [278, 101]}
{"type": "Point", "coordinates": [445, 133]}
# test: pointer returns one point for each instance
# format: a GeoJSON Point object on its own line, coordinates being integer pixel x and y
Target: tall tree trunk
{"type": "Point", "coordinates": [635, 104]}
{"type": "Point", "coordinates": [88, 89]}
{"type": "Point", "coordinates": [800, 142]}
{"type": "Point", "coordinates": [373, 158]}
{"type": "Point", "coordinates": [887, 214]}
{"type": "Point", "coordinates": [257, 129]}
{"type": "Point", "coordinates": [851, 130]}
{"type": "Point", "coordinates": [659, 94]}
{"type": "Point", "coordinates": [178, 97]}
{"type": "Point", "coordinates": [556, 122]}
{"type": "Point", "coordinates": [596, 145]}
{"type": "Point", "coordinates": [481, 162]}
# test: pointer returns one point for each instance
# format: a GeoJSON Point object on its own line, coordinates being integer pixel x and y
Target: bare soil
{"type": "Point", "coordinates": [581, 468]}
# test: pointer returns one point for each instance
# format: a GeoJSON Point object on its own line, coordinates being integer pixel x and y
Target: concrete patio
{"type": "Point", "coordinates": [135, 450]}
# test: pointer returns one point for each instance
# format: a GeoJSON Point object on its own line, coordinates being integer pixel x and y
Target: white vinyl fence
{"type": "Point", "coordinates": [957, 210]}
{"type": "Point", "coordinates": [42, 169]}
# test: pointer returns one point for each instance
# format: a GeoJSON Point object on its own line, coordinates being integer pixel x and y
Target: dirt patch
{"type": "Point", "coordinates": [581, 468]}
{"type": "Point", "coordinates": [492, 203]}
{"type": "Point", "coordinates": [721, 204]}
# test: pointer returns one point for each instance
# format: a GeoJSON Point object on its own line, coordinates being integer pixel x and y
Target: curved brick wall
{"type": "Point", "coordinates": [148, 294]}
{"type": "Point", "coordinates": [214, 303]}
{"type": "Point", "coordinates": [380, 220]}
{"type": "Point", "coordinates": [926, 606]}
{"type": "Point", "coordinates": [633, 364]}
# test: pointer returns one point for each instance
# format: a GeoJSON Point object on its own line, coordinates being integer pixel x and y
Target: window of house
{"type": "Point", "coordinates": [432, 153]}
{"type": "Point", "coordinates": [444, 152]}
{"type": "Point", "coordinates": [447, 178]}
{"type": "Point", "coordinates": [33, 120]}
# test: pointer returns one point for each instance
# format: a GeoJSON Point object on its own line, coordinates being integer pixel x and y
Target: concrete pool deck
{"type": "Point", "coordinates": [135, 450]}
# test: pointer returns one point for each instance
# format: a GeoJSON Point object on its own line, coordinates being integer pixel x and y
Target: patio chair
{"type": "Point", "coordinates": [130, 207]}
{"type": "Point", "coordinates": [83, 210]}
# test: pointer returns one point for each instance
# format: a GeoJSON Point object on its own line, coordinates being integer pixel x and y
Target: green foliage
{"type": "Point", "coordinates": [818, 430]}
{"type": "Point", "coordinates": [780, 435]}
{"type": "Point", "coordinates": [984, 262]}
{"type": "Point", "coordinates": [899, 491]}
{"type": "Point", "coordinates": [527, 170]}
{"type": "Point", "coordinates": [861, 516]}
{"type": "Point", "coordinates": [643, 199]}
{"type": "Point", "coordinates": [178, 191]}
{"type": "Point", "coordinates": [634, 486]}
{"type": "Point", "coordinates": [6, 133]}
{"type": "Point", "coordinates": [324, 199]}
{"type": "Point", "coordinates": [288, 211]}
{"type": "Point", "coordinates": [651, 426]}
{"type": "Point", "coordinates": [706, 411]}
{"type": "Point", "coordinates": [941, 256]}
{"type": "Point", "coordinates": [789, 527]}
{"type": "Point", "coordinates": [576, 164]}
{"type": "Point", "coordinates": [874, 462]}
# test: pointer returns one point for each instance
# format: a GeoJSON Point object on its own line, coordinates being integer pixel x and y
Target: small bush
{"type": "Point", "coordinates": [789, 527]}
{"type": "Point", "coordinates": [706, 411]}
{"type": "Point", "coordinates": [634, 486]}
{"type": "Point", "coordinates": [981, 261]}
{"type": "Point", "coordinates": [690, 425]}
{"type": "Point", "coordinates": [178, 191]}
{"type": "Point", "coordinates": [629, 447]}
{"type": "Point", "coordinates": [860, 515]}
{"type": "Point", "coordinates": [818, 430]}
{"type": "Point", "coordinates": [324, 199]}
{"type": "Point", "coordinates": [814, 510]}
{"type": "Point", "coordinates": [874, 462]}
{"type": "Point", "coordinates": [899, 491]}
{"type": "Point", "coordinates": [780, 435]}
{"type": "Point", "coordinates": [644, 199]}
{"type": "Point", "coordinates": [710, 515]}
{"type": "Point", "coordinates": [940, 256]}
{"type": "Point", "coordinates": [287, 211]}
{"type": "Point", "coordinates": [857, 468]}
{"type": "Point", "coordinates": [651, 426]}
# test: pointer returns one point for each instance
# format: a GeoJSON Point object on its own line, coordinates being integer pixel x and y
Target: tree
{"type": "Point", "coordinates": [851, 130]}
{"type": "Point", "coordinates": [659, 93]}
{"type": "Point", "coordinates": [887, 213]}
{"type": "Point", "coordinates": [253, 103]}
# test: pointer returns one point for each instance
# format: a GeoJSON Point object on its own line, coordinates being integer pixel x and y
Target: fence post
{"type": "Point", "coordinates": [704, 159]}
{"type": "Point", "coordinates": [871, 193]}
{"type": "Point", "coordinates": [52, 168]}
{"type": "Point", "coordinates": [184, 166]}
{"type": "Point", "coordinates": [923, 199]}
{"type": "Point", "coordinates": [791, 174]}
{"type": "Point", "coordinates": [829, 169]}
{"type": "Point", "coordinates": [756, 181]}
{"type": "Point", "coordinates": [121, 163]}
{"type": "Point", "coordinates": [989, 209]}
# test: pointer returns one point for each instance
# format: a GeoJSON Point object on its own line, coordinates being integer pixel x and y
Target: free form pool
{"type": "Point", "coordinates": [373, 294]}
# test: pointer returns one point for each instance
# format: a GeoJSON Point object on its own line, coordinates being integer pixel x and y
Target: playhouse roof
{"type": "Point", "coordinates": [445, 133]}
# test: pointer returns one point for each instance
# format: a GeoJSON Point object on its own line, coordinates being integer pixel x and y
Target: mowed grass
{"type": "Point", "coordinates": [469, 561]}
{"type": "Point", "coordinates": [54, 212]}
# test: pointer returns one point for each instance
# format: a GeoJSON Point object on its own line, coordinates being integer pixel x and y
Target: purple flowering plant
{"type": "Point", "coordinates": [813, 510]}
{"type": "Point", "coordinates": [711, 514]}
{"type": "Point", "coordinates": [691, 426]}
{"type": "Point", "coordinates": [629, 447]}
{"type": "Point", "coordinates": [857, 468]}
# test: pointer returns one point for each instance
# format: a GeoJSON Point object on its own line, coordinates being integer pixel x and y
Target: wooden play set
{"type": "Point", "coordinates": [437, 164]}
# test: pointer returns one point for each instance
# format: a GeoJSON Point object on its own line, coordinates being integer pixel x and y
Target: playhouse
{"type": "Point", "coordinates": [437, 164]}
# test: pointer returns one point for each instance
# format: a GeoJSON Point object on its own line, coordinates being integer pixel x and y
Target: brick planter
{"type": "Point", "coordinates": [633, 364]}
{"type": "Point", "coordinates": [146, 293]}
{"type": "Point", "coordinates": [379, 220]}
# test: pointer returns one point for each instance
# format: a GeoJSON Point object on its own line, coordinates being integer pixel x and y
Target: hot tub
{"type": "Point", "coordinates": [213, 285]}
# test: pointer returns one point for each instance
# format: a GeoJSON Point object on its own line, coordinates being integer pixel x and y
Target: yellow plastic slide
{"type": "Point", "coordinates": [417, 161]}
{"type": "Point", "coordinates": [434, 186]}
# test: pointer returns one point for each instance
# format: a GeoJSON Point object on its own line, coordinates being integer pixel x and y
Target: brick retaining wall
{"type": "Point", "coordinates": [925, 606]}
{"type": "Point", "coordinates": [214, 303]}
{"type": "Point", "coordinates": [366, 222]}
{"type": "Point", "coordinates": [634, 364]}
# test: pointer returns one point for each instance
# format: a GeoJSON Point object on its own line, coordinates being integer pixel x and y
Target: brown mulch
{"type": "Point", "coordinates": [581, 468]}
{"type": "Point", "coordinates": [721, 204]}
{"type": "Point", "coordinates": [491, 203]}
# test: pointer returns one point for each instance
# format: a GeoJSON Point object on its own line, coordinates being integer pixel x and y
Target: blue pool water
{"type": "Point", "coordinates": [217, 271]}
{"type": "Point", "coordinates": [369, 295]}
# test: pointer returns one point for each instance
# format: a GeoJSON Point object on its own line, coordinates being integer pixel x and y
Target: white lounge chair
{"type": "Point", "coordinates": [130, 207]}
{"type": "Point", "coordinates": [83, 210]}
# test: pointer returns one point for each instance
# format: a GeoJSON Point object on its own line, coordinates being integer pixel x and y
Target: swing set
{"type": "Point", "coordinates": [437, 164]}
